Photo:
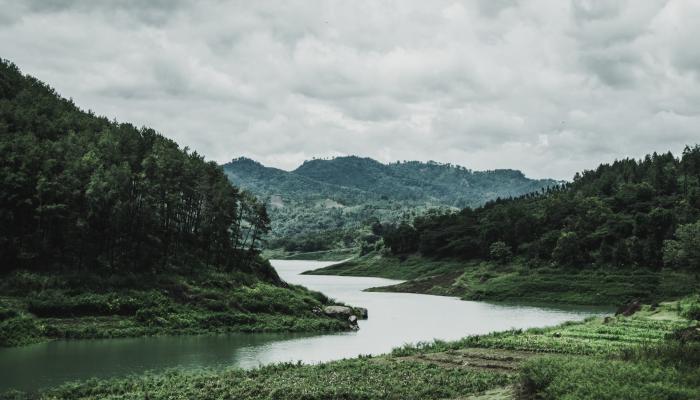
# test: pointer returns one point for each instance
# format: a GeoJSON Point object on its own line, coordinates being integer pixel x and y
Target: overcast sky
{"type": "Point", "coordinates": [548, 87]}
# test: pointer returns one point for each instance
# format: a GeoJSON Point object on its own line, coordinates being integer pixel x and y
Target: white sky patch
{"type": "Point", "coordinates": [550, 87]}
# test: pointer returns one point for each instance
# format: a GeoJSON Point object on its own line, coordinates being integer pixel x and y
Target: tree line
{"type": "Point", "coordinates": [631, 213]}
{"type": "Point", "coordinates": [78, 191]}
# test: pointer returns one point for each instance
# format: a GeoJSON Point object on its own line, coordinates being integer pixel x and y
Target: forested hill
{"type": "Point", "coordinates": [352, 180]}
{"type": "Point", "coordinates": [108, 230]}
{"type": "Point", "coordinates": [346, 192]}
{"type": "Point", "coordinates": [82, 192]}
{"type": "Point", "coordinates": [266, 181]}
{"type": "Point", "coordinates": [416, 181]}
{"type": "Point", "coordinates": [631, 213]}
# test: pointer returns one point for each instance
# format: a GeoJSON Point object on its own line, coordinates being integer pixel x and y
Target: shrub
{"type": "Point", "coordinates": [7, 313]}
{"type": "Point", "coordinates": [690, 307]}
{"type": "Point", "coordinates": [536, 376]}
{"type": "Point", "coordinates": [18, 331]}
{"type": "Point", "coordinates": [500, 252]}
{"type": "Point", "coordinates": [152, 316]}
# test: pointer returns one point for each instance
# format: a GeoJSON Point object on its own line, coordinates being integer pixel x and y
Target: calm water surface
{"type": "Point", "coordinates": [394, 319]}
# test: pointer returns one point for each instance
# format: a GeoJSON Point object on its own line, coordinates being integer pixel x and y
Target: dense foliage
{"type": "Point", "coordinates": [351, 193]}
{"type": "Point", "coordinates": [82, 192]}
{"type": "Point", "coordinates": [628, 213]}
{"type": "Point", "coordinates": [107, 230]}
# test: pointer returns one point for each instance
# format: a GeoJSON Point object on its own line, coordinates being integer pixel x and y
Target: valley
{"type": "Point", "coordinates": [147, 266]}
{"type": "Point", "coordinates": [328, 205]}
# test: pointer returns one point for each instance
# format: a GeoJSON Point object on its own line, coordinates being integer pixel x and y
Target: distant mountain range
{"type": "Point", "coordinates": [349, 190]}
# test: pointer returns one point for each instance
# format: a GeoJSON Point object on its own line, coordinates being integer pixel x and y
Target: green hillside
{"type": "Point", "coordinates": [626, 230]}
{"type": "Point", "coordinates": [631, 213]}
{"type": "Point", "coordinates": [324, 204]}
{"type": "Point", "coordinates": [109, 230]}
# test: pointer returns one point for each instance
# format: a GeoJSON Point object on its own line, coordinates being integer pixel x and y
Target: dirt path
{"type": "Point", "coordinates": [494, 360]}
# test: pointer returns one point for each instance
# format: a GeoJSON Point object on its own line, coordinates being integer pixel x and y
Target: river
{"type": "Point", "coordinates": [394, 319]}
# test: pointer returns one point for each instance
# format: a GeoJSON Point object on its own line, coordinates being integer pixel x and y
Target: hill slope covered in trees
{"type": "Point", "coordinates": [631, 213]}
{"type": "Point", "coordinates": [326, 201]}
{"type": "Point", "coordinates": [111, 230]}
{"type": "Point", "coordinates": [626, 230]}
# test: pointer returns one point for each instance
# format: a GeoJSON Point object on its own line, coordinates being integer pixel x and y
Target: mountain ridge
{"type": "Point", "coordinates": [355, 173]}
{"type": "Point", "coordinates": [346, 192]}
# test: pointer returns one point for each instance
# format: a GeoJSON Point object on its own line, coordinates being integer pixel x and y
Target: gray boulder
{"type": "Point", "coordinates": [337, 311]}
{"type": "Point", "coordinates": [361, 312]}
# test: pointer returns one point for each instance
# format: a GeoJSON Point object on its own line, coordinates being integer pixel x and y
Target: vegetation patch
{"type": "Point", "coordinates": [650, 377]}
{"type": "Point", "coordinates": [614, 357]}
{"type": "Point", "coordinates": [108, 230]}
{"type": "Point", "coordinates": [362, 378]}
{"type": "Point", "coordinates": [518, 282]}
{"type": "Point", "coordinates": [326, 201]}
{"type": "Point", "coordinates": [338, 254]}
{"type": "Point", "coordinates": [42, 306]}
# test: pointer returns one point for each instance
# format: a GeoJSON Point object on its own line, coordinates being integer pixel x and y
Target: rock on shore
{"type": "Point", "coordinates": [349, 313]}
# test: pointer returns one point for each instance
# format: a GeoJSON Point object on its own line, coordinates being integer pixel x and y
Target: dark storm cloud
{"type": "Point", "coordinates": [547, 86]}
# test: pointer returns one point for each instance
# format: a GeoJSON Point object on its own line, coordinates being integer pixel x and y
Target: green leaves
{"type": "Point", "coordinates": [684, 252]}
{"type": "Point", "coordinates": [81, 192]}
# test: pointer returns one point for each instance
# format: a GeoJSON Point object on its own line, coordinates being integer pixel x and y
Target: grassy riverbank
{"type": "Point", "coordinates": [324, 255]}
{"type": "Point", "coordinates": [42, 306]}
{"type": "Point", "coordinates": [653, 354]}
{"type": "Point", "coordinates": [515, 282]}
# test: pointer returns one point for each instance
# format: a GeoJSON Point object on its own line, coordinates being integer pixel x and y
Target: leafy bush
{"type": "Point", "coordinates": [690, 307]}
{"type": "Point", "coordinates": [18, 331]}
{"type": "Point", "coordinates": [7, 312]}
{"type": "Point", "coordinates": [500, 251]}
{"type": "Point", "coordinates": [152, 316]}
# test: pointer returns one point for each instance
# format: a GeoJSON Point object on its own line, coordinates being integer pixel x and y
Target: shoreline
{"type": "Point", "coordinates": [497, 363]}
{"type": "Point", "coordinates": [515, 283]}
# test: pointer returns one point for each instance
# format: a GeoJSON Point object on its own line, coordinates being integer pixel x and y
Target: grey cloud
{"type": "Point", "coordinates": [587, 10]}
{"type": "Point", "coordinates": [614, 67]}
{"type": "Point", "coordinates": [547, 86]}
{"type": "Point", "coordinates": [494, 7]}
{"type": "Point", "coordinates": [155, 12]}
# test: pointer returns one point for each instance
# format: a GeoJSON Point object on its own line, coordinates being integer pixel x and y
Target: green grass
{"type": "Point", "coordinates": [361, 378]}
{"type": "Point", "coordinates": [557, 377]}
{"type": "Point", "coordinates": [620, 357]}
{"type": "Point", "coordinates": [601, 358]}
{"type": "Point", "coordinates": [324, 255]}
{"type": "Point", "coordinates": [594, 336]}
{"type": "Point", "coordinates": [689, 307]}
{"type": "Point", "coordinates": [384, 266]}
{"type": "Point", "coordinates": [519, 283]}
{"type": "Point", "coordinates": [36, 307]}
